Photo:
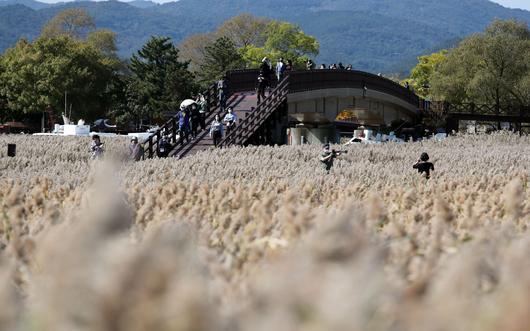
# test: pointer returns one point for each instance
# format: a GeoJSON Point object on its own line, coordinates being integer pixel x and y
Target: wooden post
{"type": "Point", "coordinates": [158, 136]}
{"type": "Point", "coordinates": [173, 131]}
{"type": "Point", "coordinates": [150, 147]}
{"type": "Point", "coordinates": [521, 121]}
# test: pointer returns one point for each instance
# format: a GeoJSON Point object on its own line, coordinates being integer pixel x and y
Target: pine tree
{"type": "Point", "coordinates": [159, 80]}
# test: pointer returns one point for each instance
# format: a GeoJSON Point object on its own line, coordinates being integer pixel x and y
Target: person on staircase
{"type": "Point", "coordinates": [289, 66]}
{"type": "Point", "coordinates": [262, 86]}
{"type": "Point", "coordinates": [310, 65]}
{"type": "Point", "coordinates": [222, 90]}
{"type": "Point", "coordinates": [230, 120]}
{"type": "Point", "coordinates": [280, 69]}
{"type": "Point", "coordinates": [265, 70]}
{"type": "Point", "coordinates": [184, 125]}
{"type": "Point", "coordinates": [201, 103]}
{"type": "Point", "coordinates": [216, 130]}
{"type": "Point", "coordinates": [194, 120]}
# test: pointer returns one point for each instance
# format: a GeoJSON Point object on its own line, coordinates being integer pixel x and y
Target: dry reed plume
{"type": "Point", "coordinates": [261, 238]}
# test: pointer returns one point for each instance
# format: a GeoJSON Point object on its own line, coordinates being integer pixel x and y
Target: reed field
{"type": "Point", "coordinates": [261, 238]}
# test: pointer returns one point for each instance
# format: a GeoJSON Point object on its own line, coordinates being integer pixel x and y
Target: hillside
{"type": "Point", "coordinates": [375, 35]}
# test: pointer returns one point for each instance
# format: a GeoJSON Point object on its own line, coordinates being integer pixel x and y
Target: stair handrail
{"type": "Point", "coordinates": [256, 118]}
{"type": "Point", "coordinates": [151, 144]}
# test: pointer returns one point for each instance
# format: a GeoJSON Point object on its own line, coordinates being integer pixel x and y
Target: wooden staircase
{"type": "Point", "coordinates": [170, 128]}
{"type": "Point", "coordinates": [254, 120]}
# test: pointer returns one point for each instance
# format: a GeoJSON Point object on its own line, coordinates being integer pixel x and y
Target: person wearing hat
{"type": "Point", "coordinates": [424, 166]}
{"type": "Point", "coordinates": [328, 157]}
{"type": "Point", "coordinates": [136, 150]}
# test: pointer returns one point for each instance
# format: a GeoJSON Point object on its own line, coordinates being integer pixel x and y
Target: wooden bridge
{"type": "Point", "coordinates": [452, 114]}
{"type": "Point", "coordinates": [259, 124]}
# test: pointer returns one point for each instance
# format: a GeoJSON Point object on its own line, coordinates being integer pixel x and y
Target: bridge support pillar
{"type": "Point", "coordinates": [311, 135]}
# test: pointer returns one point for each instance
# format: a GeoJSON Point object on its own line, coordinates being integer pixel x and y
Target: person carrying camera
{"type": "Point", "coordinates": [328, 157]}
{"type": "Point", "coordinates": [424, 166]}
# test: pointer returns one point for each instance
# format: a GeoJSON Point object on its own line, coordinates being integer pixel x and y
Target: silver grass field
{"type": "Point", "coordinates": [260, 238]}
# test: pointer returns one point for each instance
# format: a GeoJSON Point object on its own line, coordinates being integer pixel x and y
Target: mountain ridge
{"type": "Point", "coordinates": [376, 35]}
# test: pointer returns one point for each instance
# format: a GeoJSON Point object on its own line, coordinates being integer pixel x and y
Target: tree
{"type": "Point", "coordinates": [255, 38]}
{"type": "Point", "coordinates": [491, 67]}
{"type": "Point", "coordinates": [245, 30]}
{"type": "Point", "coordinates": [104, 40]}
{"type": "Point", "coordinates": [193, 49]}
{"type": "Point", "coordinates": [37, 75]}
{"type": "Point", "coordinates": [220, 56]}
{"type": "Point", "coordinates": [282, 40]}
{"type": "Point", "coordinates": [73, 22]}
{"type": "Point", "coordinates": [421, 74]}
{"type": "Point", "coordinates": [160, 81]}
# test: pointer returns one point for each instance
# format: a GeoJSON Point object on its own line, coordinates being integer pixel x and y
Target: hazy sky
{"type": "Point", "coordinates": [524, 4]}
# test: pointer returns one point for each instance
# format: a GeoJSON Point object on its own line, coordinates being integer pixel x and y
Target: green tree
{"type": "Point", "coordinates": [285, 40]}
{"type": "Point", "coordinates": [220, 56]}
{"type": "Point", "coordinates": [73, 22]}
{"type": "Point", "coordinates": [160, 81]}
{"type": "Point", "coordinates": [290, 41]}
{"type": "Point", "coordinates": [104, 40]}
{"type": "Point", "coordinates": [255, 38]}
{"type": "Point", "coordinates": [37, 75]}
{"type": "Point", "coordinates": [492, 67]}
{"type": "Point", "coordinates": [421, 74]}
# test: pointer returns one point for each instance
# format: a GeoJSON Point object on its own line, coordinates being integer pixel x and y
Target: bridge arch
{"type": "Point", "coordinates": [315, 98]}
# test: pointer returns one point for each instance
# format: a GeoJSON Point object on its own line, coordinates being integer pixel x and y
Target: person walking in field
{"type": "Point", "coordinates": [216, 130]}
{"type": "Point", "coordinates": [424, 166]}
{"type": "Point", "coordinates": [96, 147]}
{"type": "Point", "coordinates": [136, 151]}
{"type": "Point", "coordinates": [328, 157]}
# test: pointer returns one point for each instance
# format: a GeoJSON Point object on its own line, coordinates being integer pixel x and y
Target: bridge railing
{"type": "Point", "coordinates": [251, 123]}
{"type": "Point", "coordinates": [473, 108]}
{"type": "Point", "coordinates": [309, 80]}
{"type": "Point", "coordinates": [329, 78]}
{"type": "Point", "coordinates": [151, 144]}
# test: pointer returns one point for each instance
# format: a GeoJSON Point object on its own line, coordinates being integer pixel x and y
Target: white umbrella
{"type": "Point", "coordinates": [186, 103]}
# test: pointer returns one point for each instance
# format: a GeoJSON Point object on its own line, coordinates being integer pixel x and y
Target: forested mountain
{"type": "Point", "coordinates": [374, 35]}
